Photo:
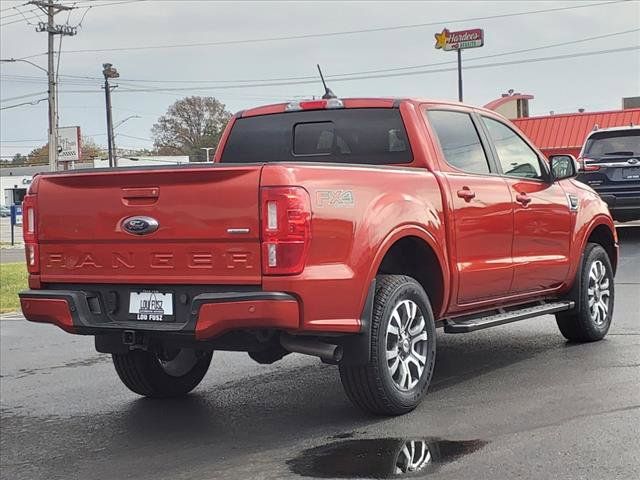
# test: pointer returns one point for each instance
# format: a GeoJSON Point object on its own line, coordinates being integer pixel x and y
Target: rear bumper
{"type": "Point", "coordinates": [211, 314]}
{"type": "Point", "coordinates": [620, 202]}
{"type": "Point", "coordinates": [623, 207]}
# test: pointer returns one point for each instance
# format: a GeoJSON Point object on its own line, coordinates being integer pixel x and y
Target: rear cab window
{"type": "Point", "coordinates": [374, 136]}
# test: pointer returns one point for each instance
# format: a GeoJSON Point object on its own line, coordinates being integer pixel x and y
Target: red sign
{"type": "Point", "coordinates": [447, 40]}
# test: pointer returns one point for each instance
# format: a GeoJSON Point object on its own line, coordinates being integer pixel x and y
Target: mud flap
{"type": "Point", "coordinates": [357, 348]}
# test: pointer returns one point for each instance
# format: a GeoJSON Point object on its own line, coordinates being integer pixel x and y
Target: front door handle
{"type": "Point", "coordinates": [523, 198]}
{"type": "Point", "coordinates": [466, 194]}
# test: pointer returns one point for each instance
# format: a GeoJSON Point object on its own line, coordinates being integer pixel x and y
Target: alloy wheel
{"type": "Point", "coordinates": [406, 345]}
{"type": "Point", "coordinates": [598, 293]}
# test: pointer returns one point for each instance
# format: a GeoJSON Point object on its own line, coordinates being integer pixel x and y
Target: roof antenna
{"type": "Point", "coordinates": [327, 91]}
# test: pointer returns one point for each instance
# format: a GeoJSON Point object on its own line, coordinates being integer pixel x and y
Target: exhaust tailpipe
{"type": "Point", "coordinates": [308, 346]}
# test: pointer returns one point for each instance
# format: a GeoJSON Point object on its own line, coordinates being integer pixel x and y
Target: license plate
{"type": "Point", "coordinates": [631, 173]}
{"type": "Point", "coordinates": [151, 306]}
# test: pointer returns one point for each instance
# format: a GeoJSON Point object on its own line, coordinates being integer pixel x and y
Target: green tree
{"type": "Point", "coordinates": [190, 124]}
{"type": "Point", "coordinates": [19, 159]}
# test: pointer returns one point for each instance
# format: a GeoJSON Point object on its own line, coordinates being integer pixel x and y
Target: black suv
{"type": "Point", "coordinates": [610, 164]}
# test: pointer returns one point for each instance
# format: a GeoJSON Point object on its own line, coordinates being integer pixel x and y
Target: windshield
{"type": "Point", "coordinates": [621, 143]}
{"type": "Point", "coordinates": [360, 135]}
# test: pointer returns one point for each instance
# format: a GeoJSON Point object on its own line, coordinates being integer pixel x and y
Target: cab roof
{"type": "Point", "coordinates": [365, 102]}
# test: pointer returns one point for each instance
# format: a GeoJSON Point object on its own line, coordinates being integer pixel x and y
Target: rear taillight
{"type": "Point", "coordinates": [584, 166]}
{"type": "Point", "coordinates": [286, 229]}
{"type": "Point", "coordinates": [30, 233]}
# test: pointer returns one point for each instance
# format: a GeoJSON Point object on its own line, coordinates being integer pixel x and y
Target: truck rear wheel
{"type": "Point", "coordinates": [591, 319]}
{"type": "Point", "coordinates": [403, 350]}
{"type": "Point", "coordinates": [167, 373]}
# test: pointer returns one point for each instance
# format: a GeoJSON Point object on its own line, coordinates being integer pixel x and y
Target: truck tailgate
{"type": "Point", "coordinates": [208, 226]}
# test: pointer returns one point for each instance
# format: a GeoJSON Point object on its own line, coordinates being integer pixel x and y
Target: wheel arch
{"type": "Point", "coordinates": [604, 234]}
{"type": "Point", "coordinates": [413, 251]}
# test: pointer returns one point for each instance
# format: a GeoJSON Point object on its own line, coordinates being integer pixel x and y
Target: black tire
{"type": "Point", "coordinates": [372, 387]}
{"type": "Point", "coordinates": [149, 374]}
{"type": "Point", "coordinates": [580, 324]}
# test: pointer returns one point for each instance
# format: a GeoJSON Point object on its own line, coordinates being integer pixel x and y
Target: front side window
{"type": "Point", "coordinates": [516, 158]}
{"type": "Point", "coordinates": [459, 140]}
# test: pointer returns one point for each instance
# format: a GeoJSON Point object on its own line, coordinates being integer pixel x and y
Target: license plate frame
{"type": "Point", "coordinates": [151, 306]}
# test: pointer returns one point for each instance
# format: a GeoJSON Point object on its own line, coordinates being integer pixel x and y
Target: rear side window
{"type": "Point", "coordinates": [360, 135]}
{"type": "Point", "coordinates": [459, 140]}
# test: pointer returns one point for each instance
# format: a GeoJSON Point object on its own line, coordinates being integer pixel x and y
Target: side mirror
{"type": "Point", "coordinates": [563, 166]}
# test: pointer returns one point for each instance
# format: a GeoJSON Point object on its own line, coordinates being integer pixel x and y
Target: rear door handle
{"type": "Point", "coordinates": [523, 198]}
{"type": "Point", "coordinates": [466, 194]}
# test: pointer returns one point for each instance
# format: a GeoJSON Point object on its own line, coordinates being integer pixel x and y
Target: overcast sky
{"type": "Point", "coordinates": [593, 82]}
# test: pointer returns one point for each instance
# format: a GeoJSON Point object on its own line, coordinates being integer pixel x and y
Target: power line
{"type": "Point", "coordinates": [345, 32]}
{"type": "Point", "coordinates": [364, 77]}
{"type": "Point", "coordinates": [20, 97]}
{"type": "Point", "coordinates": [338, 75]}
{"type": "Point", "coordinates": [11, 8]}
{"type": "Point", "coordinates": [353, 78]}
{"type": "Point", "coordinates": [24, 140]}
{"type": "Point", "coordinates": [367, 77]}
{"type": "Point", "coordinates": [136, 138]}
{"type": "Point", "coordinates": [34, 102]}
{"type": "Point", "coordinates": [18, 11]}
{"type": "Point", "coordinates": [83, 80]}
{"type": "Point", "coordinates": [36, 16]}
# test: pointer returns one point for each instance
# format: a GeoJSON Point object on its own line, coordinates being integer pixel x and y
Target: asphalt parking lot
{"type": "Point", "coordinates": [527, 404]}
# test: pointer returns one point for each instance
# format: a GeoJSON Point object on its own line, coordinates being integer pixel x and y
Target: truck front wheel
{"type": "Point", "coordinates": [591, 318]}
{"type": "Point", "coordinates": [165, 373]}
{"type": "Point", "coordinates": [403, 350]}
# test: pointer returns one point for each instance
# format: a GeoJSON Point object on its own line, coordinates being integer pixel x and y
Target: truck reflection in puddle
{"type": "Point", "coordinates": [380, 458]}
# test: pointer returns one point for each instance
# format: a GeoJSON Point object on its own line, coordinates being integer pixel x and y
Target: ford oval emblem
{"type": "Point", "coordinates": [140, 225]}
{"type": "Point", "coordinates": [633, 161]}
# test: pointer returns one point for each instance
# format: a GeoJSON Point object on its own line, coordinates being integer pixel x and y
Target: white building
{"type": "Point", "coordinates": [14, 182]}
{"type": "Point", "coordinates": [143, 161]}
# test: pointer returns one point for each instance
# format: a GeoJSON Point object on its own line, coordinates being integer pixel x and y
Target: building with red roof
{"type": "Point", "coordinates": [563, 133]}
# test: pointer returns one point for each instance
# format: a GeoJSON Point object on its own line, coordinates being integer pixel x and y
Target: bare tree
{"type": "Point", "coordinates": [190, 124]}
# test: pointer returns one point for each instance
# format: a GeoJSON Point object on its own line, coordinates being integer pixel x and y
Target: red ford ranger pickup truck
{"type": "Point", "coordinates": [346, 229]}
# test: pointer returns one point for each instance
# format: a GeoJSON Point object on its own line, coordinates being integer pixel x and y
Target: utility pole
{"type": "Point", "coordinates": [109, 71]}
{"type": "Point", "coordinates": [206, 149]}
{"type": "Point", "coordinates": [459, 74]}
{"type": "Point", "coordinates": [50, 9]}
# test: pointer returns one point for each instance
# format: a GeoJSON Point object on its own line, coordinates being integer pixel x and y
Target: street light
{"type": "Point", "coordinates": [52, 145]}
{"type": "Point", "coordinates": [12, 60]}
{"type": "Point", "coordinates": [123, 121]}
{"type": "Point", "coordinates": [113, 140]}
{"type": "Point", "coordinates": [108, 71]}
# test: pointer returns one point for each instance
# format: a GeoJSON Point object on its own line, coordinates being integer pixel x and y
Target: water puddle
{"type": "Point", "coordinates": [380, 458]}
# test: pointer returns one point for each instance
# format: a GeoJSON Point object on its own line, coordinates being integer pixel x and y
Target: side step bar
{"type": "Point", "coordinates": [471, 324]}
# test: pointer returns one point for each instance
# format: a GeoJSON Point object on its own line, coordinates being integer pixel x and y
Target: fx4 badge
{"type": "Point", "coordinates": [335, 198]}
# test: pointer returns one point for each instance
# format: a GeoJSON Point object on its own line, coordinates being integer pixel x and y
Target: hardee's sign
{"type": "Point", "coordinates": [447, 40]}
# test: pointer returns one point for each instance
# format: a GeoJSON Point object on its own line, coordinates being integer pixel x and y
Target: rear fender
{"type": "Point", "coordinates": [426, 236]}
